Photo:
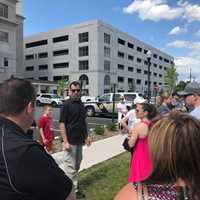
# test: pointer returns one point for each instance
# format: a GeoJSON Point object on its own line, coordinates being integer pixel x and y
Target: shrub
{"type": "Point", "coordinates": [99, 130]}
{"type": "Point", "coordinates": [111, 127]}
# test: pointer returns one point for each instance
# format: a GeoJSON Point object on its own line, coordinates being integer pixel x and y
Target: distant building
{"type": "Point", "coordinates": [97, 54]}
{"type": "Point", "coordinates": [11, 39]}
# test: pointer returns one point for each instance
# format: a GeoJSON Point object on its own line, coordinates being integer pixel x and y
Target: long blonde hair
{"type": "Point", "coordinates": [175, 148]}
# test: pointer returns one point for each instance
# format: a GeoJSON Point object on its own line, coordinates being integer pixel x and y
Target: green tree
{"type": "Point", "coordinates": [62, 85]}
{"type": "Point", "coordinates": [171, 78]}
{"type": "Point", "coordinates": [181, 85]}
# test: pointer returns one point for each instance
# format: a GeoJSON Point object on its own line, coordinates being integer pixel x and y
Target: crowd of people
{"type": "Point", "coordinates": [163, 140]}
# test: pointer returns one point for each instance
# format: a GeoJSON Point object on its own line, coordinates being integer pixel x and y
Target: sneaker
{"type": "Point", "coordinates": [80, 195]}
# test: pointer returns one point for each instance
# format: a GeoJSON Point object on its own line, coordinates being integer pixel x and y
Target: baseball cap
{"type": "Point", "coordinates": [139, 100]}
{"type": "Point", "coordinates": [190, 88]}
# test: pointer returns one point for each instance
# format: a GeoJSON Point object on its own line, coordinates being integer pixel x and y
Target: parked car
{"type": "Point", "coordinates": [103, 105]}
{"type": "Point", "coordinates": [87, 98]}
{"type": "Point", "coordinates": [46, 98]}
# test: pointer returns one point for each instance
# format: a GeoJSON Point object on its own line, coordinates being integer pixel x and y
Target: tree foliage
{"type": "Point", "coordinates": [181, 85]}
{"type": "Point", "coordinates": [62, 85]}
{"type": "Point", "coordinates": [171, 78]}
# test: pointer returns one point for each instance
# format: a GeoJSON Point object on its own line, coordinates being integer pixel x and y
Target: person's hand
{"type": "Point", "coordinates": [88, 141]}
{"type": "Point", "coordinates": [66, 146]}
{"type": "Point", "coordinates": [45, 141]}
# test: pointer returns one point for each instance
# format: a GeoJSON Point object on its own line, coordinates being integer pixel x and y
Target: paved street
{"type": "Point", "coordinates": [92, 121]}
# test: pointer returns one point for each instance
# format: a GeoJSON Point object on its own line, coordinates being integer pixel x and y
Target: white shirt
{"type": "Point", "coordinates": [132, 119]}
{"type": "Point", "coordinates": [122, 110]}
{"type": "Point", "coordinates": [196, 112]}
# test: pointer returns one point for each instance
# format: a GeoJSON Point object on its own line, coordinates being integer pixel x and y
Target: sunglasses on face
{"type": "Point", "coordinates": [75, 90]}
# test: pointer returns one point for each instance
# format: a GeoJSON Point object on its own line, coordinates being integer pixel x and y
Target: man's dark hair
{"type": "Point", "coordinates": [15, 95]}
{"type": "Point", "coordinates": [75, 83]}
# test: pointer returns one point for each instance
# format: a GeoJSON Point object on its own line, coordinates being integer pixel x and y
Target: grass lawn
{"type": "Point", "coordinates": [103, 181]}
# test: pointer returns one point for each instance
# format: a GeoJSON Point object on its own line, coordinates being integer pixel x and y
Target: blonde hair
{"type": "Point", "coordinates": [174, 143]}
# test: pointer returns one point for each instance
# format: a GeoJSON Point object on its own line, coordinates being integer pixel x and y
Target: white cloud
{"type": "Point", "coordinates": [153, 10]}
{"type": "Point", "coordinates": [191, 11]}
{"type": "Point", "coordinates": [178, 44]}
{"type": "Point", "coordinates": [197, 33]}
{"type": "Point", "coordinates": [157, 10]}
{"type": "Point", "coordinates": [177, 30]}
{"type": "Point", "coordinates": [191, 60]}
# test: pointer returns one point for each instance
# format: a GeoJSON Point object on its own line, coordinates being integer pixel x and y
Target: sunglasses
{"type": "Point", "coordinates": [75, 90]}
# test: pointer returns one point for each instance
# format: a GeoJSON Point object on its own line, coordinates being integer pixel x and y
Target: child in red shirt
{"type": "Point", "coordinates": [46, 130]}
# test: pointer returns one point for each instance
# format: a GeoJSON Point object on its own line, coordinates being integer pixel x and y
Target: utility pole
{"type": "Point", "coordinates": [113, 101]}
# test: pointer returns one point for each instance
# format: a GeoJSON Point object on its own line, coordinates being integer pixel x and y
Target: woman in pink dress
{"type": "Point", "coordinates": [141, 164]}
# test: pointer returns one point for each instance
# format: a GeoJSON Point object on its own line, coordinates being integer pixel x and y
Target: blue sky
{"type": "Point", "coordinates": [170, 25]}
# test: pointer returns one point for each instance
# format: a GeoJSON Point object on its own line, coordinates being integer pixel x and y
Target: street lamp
{"type": "Point", "coordinates": [149, 54]}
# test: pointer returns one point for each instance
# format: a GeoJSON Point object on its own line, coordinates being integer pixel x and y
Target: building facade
{"type": "Point", "coordinates": [98, 55]}
{"type": "Point", "coordinates": [11, 39]}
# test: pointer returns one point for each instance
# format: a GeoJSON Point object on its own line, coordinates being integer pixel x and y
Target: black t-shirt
{"type": "Point", "coordinates": [33, 173]}
{"type": "Point", "coordinates": [73, 115]}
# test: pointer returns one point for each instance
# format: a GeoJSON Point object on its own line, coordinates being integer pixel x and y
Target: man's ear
{"type": "Point", "coordinates": [30, 108]}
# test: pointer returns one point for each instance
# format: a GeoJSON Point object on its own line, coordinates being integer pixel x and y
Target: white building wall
{"type": "Point", "coordinates": [8, 49]}
{"type": "Point", "coordinates": [96, 72]}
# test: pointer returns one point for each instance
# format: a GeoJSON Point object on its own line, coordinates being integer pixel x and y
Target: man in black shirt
{"type": "Point", "coordinates": [73, 130]}
{"type": "Point", "coordinates": [26, 171]}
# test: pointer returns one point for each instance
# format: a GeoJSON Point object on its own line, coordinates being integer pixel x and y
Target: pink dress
{"type": "Point", "coordinates": [141, 164]}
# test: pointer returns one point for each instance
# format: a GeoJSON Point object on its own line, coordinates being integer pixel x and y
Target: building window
{"type": "Point", "coordinates": [145, 51]}
{"type": "Point", "coordinates": [121, 67]}
{"type": "Point", "coordinates": [5, 62]}
{"type": "Point", "coordinates": [120, 41]}
{"type": "Point", "coordinates": [160, 58]}
{"type": "Point", "coordinates": [83, 64]}
{"type": "Point", "coordinates": [4, 36]}
{"type": "Point", "coordinates": [84, 78]}
{"type": "Point", "coordinates": [145, 72]}
{"type": "Point", "coordinates": [138, 81]}
{"type": "Point", "coordinates": [165, 68]}
{"type": "Point", "coordinates": [3, 10]}
{"type": "Point", "coordinates": [107, 52]}
{"type": "Point", "coordinates": [106, 65]}
{"type": "Point", "coordinates": [43, 55]}
{"type": "Point", "coordinates": [37, 43]}
{"type": "Point", "coordinates": [130, 69]}
{"type": "Point", "coordinates": [130, 45]}
{"type": "Point", "coordinates": [43, 67]}
{"type": "Point", "coordinates": [106, 38]}
{"type": "Point", "coordinates": [155, 55]}
{"type": "Point", "coordinates": [160, 66]}
{"type": "Point", "coordinates": [60, 38]}
{"type": "Point", "coordinates": [83, 51]}
{"type": "Point", "coordinates": [145, 62]}
{"type": "Point", "coordinates": [139, 71]}
{"type": "Point", "coordinates": [57, 78]}
{"type": "Point", "coordinates": [43, 78]}
{"type": "Point", "coordinates": [160, 75]}
{"type": "Point", "coordinates": [139, 60]}
{"type": "Point", "coordinates": [120, 79]}
{"type": "Point", "coordinates": [60, 65]}
{"type": "Point", "coordinates": [155, 74]}
{"type": "Point", "coordinates": [29, 57]}
{"type": "Point", "coordinates": [155, 65]}
{"type": "Point", "coordinates": [130, 57]}
{"type": "Point", "coordinates": [29, 68]}
{"type": "Point", "coordinates": [166, 60]}
{"type": "Point", "coordinates": [120, 54]}
{"type": "Point", "coordinates": [61, 52]}
{"type": "Point", "coordinates": [139, 49]}
{"type": "Point", "coordinates": [83, 37]}
{"type": "Point", "coordinates": [107, 80]}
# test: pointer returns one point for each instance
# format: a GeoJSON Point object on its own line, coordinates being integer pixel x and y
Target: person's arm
{"type": "Point", "coordinates": [63, 134]}
{"type": "Point", "coordinates": [124, 123]}
{"type": "Point", "coordinates": [45, 141]}
{"type": "Point", "coordinates": [127, 193]}
{"type": "Point", "coordinates": [62, 127]}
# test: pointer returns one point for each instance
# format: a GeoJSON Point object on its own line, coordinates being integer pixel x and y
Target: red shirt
{"type": "Point", "coordinates": [45, 122]}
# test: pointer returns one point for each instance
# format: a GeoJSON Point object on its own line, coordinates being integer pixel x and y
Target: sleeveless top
{"type": "Point", "coordinates": [162, 192]}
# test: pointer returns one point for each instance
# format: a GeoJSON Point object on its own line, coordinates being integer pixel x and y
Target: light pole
{"type": "Point", "coordinates": [148, 75]}
{"type": "Point", "coordinates": [113, 100]}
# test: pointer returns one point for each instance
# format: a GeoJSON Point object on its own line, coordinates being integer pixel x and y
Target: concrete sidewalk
{"type": "Point", "coordinates": [98, 152]}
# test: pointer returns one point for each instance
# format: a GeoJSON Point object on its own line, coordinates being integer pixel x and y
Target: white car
{"type": "Point", "coordinates": [46, 98]}
{"type": "Point", "coordinates": [87, 98]}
